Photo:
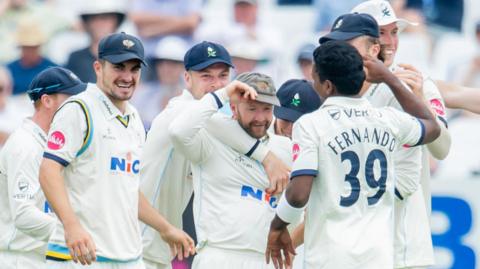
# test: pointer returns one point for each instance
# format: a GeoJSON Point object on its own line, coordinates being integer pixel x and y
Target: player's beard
{"type": "Point", "coordinates": [251, 128]}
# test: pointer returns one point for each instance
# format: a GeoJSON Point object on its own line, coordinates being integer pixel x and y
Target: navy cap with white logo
{"type": "Point", "coordinates": [349, 26]}
{"type": "Point", "coordinates": [204, 54]}
{"type": "Point", "coordinates": [297, 97]}
{"type": "Point", "coordinates": [121, 47]}
{"type": "Point", "coordinates": [55, 80]}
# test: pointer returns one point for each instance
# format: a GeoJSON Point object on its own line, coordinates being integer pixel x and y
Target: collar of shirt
{"type": "Point", "coordinates": [186, 95]}
{"type": "Point", "coordinates": [109, 109]}
{"type": "Point", "coordinates": [343, 101]}
{"type": "Point", "coordinates": [35, 130]}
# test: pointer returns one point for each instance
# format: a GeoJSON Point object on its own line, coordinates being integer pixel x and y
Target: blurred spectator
{"type": "Point", "coordinates": [328, 11]}
{"type": "Point", "coordinates": [12, 12]}
{"type": "Point", "coordinates": [30, 37]}
{"type": "Point", "coordinates": [246, 56]}
{"type": "Point", "coordinates": [99, 19]}
{"type": "Point", "coordinates": [468, 73]}
{"type": "Point", "coordinates": [152, 97]}
{"type": "Point", "coordinates": [249, 26]}
{"type": "Point", "coordinates": [156, 19]}
{"type": "Point", "coordinates": [305, 60]}
{"type": "Point", "coordinates": [12, 111]}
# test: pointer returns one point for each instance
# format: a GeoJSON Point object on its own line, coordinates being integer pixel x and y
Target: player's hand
{"type": "Point", "coordinates": [237, 90]}
{"type": "Point", "coordinates": [278, 173]}
{"type": "Point", "coordinates": [80, 244]}
{"type": "Point", "coordinates": [412, 77]}
{"type": "Point", "coordinates": [181, 244]}
{"type": "Point", "coordinates": [376, 70]}
{"type": "Point", "coordinates": [279, 243]}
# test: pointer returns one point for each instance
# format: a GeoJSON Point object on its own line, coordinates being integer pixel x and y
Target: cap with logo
{"type": "Point", "coordinates": [263, 84]}
{"type": "Point", "coordinates": [297, 97]}
{"type": "Point", "coordinates": [204, 54]}
{"type": "Point", "coordinates": [121, 47]}
{"type": "Point", "coordinates": [349, 26]}
{"type": "Point", "coordinates": [55, 80]}
{"type": "Point", "coordinates": [383, 13]}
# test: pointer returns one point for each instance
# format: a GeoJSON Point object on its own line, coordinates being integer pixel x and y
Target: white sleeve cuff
{"type": "Point", "coordinates": [288, 213]}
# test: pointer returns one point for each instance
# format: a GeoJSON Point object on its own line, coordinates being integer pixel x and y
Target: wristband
{"type": "Point", "coordinates": [287, 212]}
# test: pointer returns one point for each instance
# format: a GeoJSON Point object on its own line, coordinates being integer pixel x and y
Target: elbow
{"type": "Point", "coordinates": [297, 199]}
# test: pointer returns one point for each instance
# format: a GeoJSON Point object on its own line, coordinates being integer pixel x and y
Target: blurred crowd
{"type": "Point", "coordinates": [36, 34]}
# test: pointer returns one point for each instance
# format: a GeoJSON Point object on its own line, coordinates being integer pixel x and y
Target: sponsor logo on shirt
{"type": "Point", "coordinates": [56, 140]}
{"type": "Point", "coordinates": [438, 107]}
{"type": "Point", "coordinates": [258, 194]}
{"type": "Point", "coordinates": [127, 165]}
{"type": "Point", "coordinates": [243, 161]}
{"type": "Point", "coordinates": [295, 151]}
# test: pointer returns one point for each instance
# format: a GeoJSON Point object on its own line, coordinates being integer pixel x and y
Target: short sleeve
{"type": "Point", "coordinates": [410, 130]}
{"type": "Point", "coordinates": [67, 133]}
{"type": "Point", "coordinates": [435, 100]}
{"type": "Point", "coordinates": [304, 149]}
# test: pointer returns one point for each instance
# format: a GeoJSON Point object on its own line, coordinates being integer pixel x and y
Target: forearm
{"type": "Point", "coordinates": [148, 215]}
{"type": "Point", "coordinates": [440, 147]}
{"type": "Point", "coordinates": [407, 100]}
{"type": "Point", "coordinates": [32, 221]}
{"type": "Point", "coordinates": [3, 137]}
{"type": "Point", "coordinates": [298, 235]}
{"type": "Point", "coordinates": [229, 132]}
{"type": "Point", "coordinates": [53, 186]}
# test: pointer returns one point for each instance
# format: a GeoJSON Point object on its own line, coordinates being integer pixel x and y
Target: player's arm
{"type": "Point", "coordinates": [377, 73]}
{"type": "Point", "coordinates": [229, 131]}
{"type": "Point", "coordinates": [294, 200]}
{"type": "Point", "coordinates": [27, 216]}
{"type": "Point", "coordinates": [460, 97]}
{"type": "Point", "coordinates": [186, 132]}
{"type": "Point", "coordinates": [70, 122]}
{"type": "Point", "coordinates": [180, 243]}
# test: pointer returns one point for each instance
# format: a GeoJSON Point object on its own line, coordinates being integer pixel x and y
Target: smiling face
{"type": "Point", "coordinates": [389, 42]}
{"type": "Point", "coordinates": [254, 117]}
{"type": "Point", "coordinates": [207, 80]}
{"type": "Point", "coordinates": [118, 81]}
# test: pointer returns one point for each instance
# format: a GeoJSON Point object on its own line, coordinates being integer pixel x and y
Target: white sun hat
{"type": "Point", "coordinates": [383, 13]}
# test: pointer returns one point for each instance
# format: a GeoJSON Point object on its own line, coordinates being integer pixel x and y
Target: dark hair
{"type": "Point", "coordinates": [340, 63]}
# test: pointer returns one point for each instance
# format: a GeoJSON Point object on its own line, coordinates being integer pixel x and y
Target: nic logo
{"type": "Point", "coordinates": [248, 191]}
{"type": "Point", "coordinates": [127, 165]}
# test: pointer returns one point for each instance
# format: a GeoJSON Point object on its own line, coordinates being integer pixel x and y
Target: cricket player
{"type": "Point", "coordinates": [231, 207]}
{"type": "Point", "coordinates": [89, 172]}
{"type": "Point", "coordinates": [344, 166]}
{"type": "Point", "coordinates": [25, 223]}
{"type": "Point", "coordinates": [166, 177]}
{"type": "Point", "coordinates": [413, 245]}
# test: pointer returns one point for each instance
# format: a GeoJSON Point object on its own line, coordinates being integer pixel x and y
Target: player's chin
{"type": "Point", "coordinates": [258, 131]}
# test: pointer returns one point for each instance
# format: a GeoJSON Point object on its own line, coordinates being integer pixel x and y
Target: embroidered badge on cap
{"type": "Point", "coordinates": [128, 43]}
{"type": "Point", "coordinates": [211, 52]}
{"type": "Point", "coordinates": [56, 140]}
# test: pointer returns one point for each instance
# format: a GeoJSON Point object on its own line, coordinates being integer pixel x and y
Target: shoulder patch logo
{"type": "Point", "coordinates": [438, 107]}
{"type": "Point", "coordinates": [295, 151]}
{"type": "Point", "coordinates": [334, 113]}
{"type": "Point", "coordinates": [56, 140]}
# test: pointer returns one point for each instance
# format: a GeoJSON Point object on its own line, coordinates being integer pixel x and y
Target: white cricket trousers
{"type": "Point", "coordinates": [22, 260]}
{"type": "Point", "coordinates": [96, 265]}
{"type": "Point", "coordinates": [217, 258]}
{"type": "Point", "coordinates": [153, 265]}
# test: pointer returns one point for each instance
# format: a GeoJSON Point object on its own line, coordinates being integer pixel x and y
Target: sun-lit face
{"type": "Point", "coordinates": [283, 127]}
{"type": "Point", "coordinates": [389, 42]}
{"type": "Point", "coordinates": [118, 81]}
{"type": "Point", "coordinates": [207, 80]}
{"type": "Point", "coordinates": [254, 117]}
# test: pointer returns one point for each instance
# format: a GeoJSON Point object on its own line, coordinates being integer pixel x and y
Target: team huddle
{"type": "Point", "coordinates": [339, 165]}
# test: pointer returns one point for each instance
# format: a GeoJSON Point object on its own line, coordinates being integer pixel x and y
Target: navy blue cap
{"type": "Point", "coordinates": [55, 80]}
{"type": "Point", "coordinates": [121, 47]}
{"type": "Point", "coordinates": [204, 54]}
{"type": "Point", "coordinates": [306, 52]}
{"type": "Point", "coordinates": [349, 26]}
{"type": "Point", "coordinates": [297, 97]}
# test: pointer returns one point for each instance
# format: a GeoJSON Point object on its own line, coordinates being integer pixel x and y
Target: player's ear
{"type": "Point", "coordinates": [188, 79]}
{"type": "Point", "coordinates": [329, 87]}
